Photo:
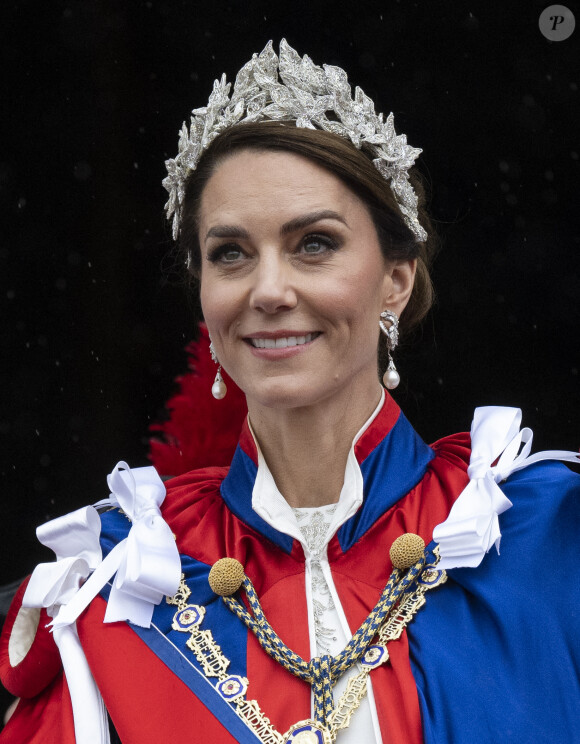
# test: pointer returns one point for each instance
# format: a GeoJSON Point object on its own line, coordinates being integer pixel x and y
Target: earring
{"type": "Point", "coordinates": [391, 378]}
{"type": "Point", "coordinates": [218, 389]}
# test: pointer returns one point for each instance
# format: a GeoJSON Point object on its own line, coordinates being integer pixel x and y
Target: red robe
{"type": "Point", "coordinates": [153, 693]}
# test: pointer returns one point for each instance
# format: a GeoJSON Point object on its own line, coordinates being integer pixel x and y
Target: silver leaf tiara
{"type": "Point", "coordinates": [291, 88]}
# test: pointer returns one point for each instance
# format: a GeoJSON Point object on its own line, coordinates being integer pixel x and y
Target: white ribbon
{"type": "Point", "coordinates": [472, 526]}
{"type": "Point", "coordinates": [75, 540]}
{"type": "Point", "coordinates": [146, 562]}
{"type": "Point", "coordinates": [147, 566]}
{"type": "Point", "coordinates": [89, 712]}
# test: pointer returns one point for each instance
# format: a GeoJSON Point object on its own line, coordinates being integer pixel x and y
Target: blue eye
{"type": "Point", "coordinates": [231, 255]}
{"type": "Point", "coordinates": [315, 245]}
{"type": "Point", "coordinates": [225, 254]}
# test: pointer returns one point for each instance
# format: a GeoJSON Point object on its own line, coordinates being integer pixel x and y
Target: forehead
{"type": "Point", "coordinates": [263, 185]}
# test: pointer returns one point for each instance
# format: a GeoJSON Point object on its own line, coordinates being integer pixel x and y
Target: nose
{"type": "Point", "coordinates": [272, 286]}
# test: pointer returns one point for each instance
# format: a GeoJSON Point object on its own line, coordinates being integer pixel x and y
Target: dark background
{"type": "Point", "coordinates": [93, 318]}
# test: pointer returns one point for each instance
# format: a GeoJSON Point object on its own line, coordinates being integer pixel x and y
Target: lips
{"type": "Point", "coordinates": [281, 342]}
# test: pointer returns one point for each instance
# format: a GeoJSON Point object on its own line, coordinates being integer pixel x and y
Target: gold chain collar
{"type": "Point", "coordinates": [402, 597]}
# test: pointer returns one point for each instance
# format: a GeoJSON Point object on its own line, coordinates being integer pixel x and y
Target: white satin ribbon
{"type": "Point", "coordinates": [147, 566]}
{"type": "Point", "coordinates": [146, 562]}
{"type": "Point", "coordinates": [89, 712]}
{"type": "Point", "coordinates": [75, 540]}
{"type": "Point", "coordinates": [472, 526]}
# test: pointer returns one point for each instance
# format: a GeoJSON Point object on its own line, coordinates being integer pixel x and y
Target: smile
{"type": "Point", "coordinates": [282, 342]}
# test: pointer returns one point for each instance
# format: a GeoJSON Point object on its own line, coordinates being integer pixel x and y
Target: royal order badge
{"type": "Point", "coordinates": [233, 687]}
{"type": "Point", "coordinates": [188, 618]}
{"type": "Point", "coordinates": [374, 656]}
{"type": "Point", "coordinates": [432, 577]}
{"type": "Point", "coordinates": [307, 732]}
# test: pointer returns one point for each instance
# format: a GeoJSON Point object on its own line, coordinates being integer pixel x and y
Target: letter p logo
{"type": "Point", "coordinates": [557, 22]}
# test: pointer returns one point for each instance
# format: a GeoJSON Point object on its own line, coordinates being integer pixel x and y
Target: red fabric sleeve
{"type": "Point", "coordinates": [40, 665]}
{"type": "Point", "coordinates": [45, 719]}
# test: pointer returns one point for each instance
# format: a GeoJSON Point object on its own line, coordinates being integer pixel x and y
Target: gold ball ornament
{"type": "Point", "coordinates": [407, 550]}
{"type": "Point", "coordinates": [226, 576]}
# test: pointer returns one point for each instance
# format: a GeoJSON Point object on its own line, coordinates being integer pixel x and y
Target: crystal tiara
{"type": "Point", "coordinates": [291, 88]}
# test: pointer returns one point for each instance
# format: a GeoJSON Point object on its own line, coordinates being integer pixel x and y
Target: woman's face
{"type": "Point", "coordinates": [293, 280]}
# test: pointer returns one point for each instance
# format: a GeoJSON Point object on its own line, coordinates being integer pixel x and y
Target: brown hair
{"type": "Point", "coordinates": [345, 161]}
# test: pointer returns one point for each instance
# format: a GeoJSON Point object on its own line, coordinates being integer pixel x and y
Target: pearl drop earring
{"type": "Point", "coordinates": [218, 389]}
{"type": "Point", "coordinates": [391, 378]}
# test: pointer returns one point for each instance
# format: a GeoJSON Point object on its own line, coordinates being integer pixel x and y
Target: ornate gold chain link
{"type": "Point", "coordinates": [232, 688]}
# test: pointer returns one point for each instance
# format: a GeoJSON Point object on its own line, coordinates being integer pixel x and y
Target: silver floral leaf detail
{"type": "Point", "coordinates": [293, 88]}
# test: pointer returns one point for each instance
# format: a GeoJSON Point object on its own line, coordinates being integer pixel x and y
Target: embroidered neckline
{"type": "Point", "coordinates": [314, 524]}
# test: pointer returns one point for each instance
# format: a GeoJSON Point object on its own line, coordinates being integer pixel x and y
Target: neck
{"type": "Point", "coordinates": [306, 448]}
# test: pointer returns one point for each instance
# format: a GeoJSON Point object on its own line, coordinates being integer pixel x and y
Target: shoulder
{"type": "Point", "coordinates": [511, 615]}
{"type": "Point", "coordinates": [193, 487]}
{"type": "Point", "coordinates": [191, 498]}
{"type": "Point", "coordinates": [192, 494]}
{"type": "Point", "coordinates": [550, 476]}
{"type": "Point", "coordinates": [451, 453]}
{"type": "Point", "coordinates": [539, 535]}
{"type": "Point", "coordinates": [447, 471]}
{"type": "Point", "coordinates": [546, 504]}
{"type": "Point", "coordinates": [454, 449]}
{"type": "Point", "coordinates": [29, 657]}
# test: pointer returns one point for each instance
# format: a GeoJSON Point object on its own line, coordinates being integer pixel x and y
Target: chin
{"type": "Point", "coordinates": [282, 395]}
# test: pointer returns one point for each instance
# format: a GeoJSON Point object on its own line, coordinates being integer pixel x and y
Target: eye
{"type": "Point", "coordinates": [316, 245]}
{"type": "Point", "coordinates": [225, 254]}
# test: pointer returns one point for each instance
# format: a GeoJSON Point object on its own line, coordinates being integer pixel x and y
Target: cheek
{"type": "Point", "coordinates": [205, 297]}
{"type": "Point", "coordinates": [359, 297]}
{"type": "Point", "coordinates": [216, 303]}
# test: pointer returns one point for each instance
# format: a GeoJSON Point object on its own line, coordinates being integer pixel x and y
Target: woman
{"type": "Point", "coordinates": [295, 209]}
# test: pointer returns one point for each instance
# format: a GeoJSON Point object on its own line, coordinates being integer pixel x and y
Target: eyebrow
{"type": "Point", "coordinates": [298, 223]}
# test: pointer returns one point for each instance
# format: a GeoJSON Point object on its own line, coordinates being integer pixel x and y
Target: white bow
{"type": "Point", "coordinates": [147, 566]}
{"type": "Point", "coordinates": [472, 526]}
{"type": "Point", "coordinates": [146, 562]}
{"type": "Point", "coordinates": [75, 540]}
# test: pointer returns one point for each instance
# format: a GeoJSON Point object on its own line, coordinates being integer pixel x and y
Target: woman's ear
{"type": "Point", "coordinates": [398, 284]}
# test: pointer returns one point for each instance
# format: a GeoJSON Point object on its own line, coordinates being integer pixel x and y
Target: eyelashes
{"type": "Point", "coordinates": [224, 253]}
{"type": "Point", "coordinates": [312, 245]}
{"type": "Point", "coordinates": [325, 241]}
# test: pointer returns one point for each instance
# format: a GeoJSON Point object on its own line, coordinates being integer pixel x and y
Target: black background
{"type": "Point", "coordinates": [93, 318]}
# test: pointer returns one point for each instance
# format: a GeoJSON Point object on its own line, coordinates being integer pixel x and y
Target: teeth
{"type": "Point", "coordinates": [281, 343]}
